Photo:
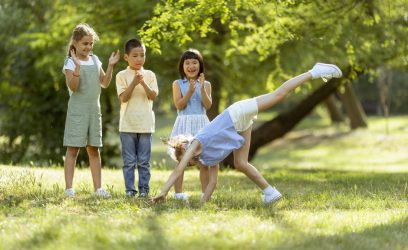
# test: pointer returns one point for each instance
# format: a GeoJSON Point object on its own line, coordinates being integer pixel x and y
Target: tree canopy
{"type": "Point", "coordinates": [249, 46]}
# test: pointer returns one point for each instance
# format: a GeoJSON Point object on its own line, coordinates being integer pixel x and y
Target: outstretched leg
{"type": "Point", "coordinates": [320, 70]}
{"type": "Point", "coordinates": [268, 100]}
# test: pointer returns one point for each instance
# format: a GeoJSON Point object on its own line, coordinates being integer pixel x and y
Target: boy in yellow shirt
{"type": "Point", "coordinates": [137, 89]}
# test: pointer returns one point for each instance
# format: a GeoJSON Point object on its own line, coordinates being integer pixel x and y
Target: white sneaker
{"type": "Point", "coordinates": [181, 196]}
{"type": "Point", "coordinates": [271, 198]}
{"type": "Point", "coordinates": [100, 192]}
{"type": "Point", "coordinates": [325, 71]}
{"type": "Point", "coordinates": [69, 192]}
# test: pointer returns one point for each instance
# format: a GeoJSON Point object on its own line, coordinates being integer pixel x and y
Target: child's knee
{"type": "Point", "coordinates": [72, 152]}
{"type": "Point", "coordinates": [240, 164]}
{"type": "Point", "coordinates": [93, 151]}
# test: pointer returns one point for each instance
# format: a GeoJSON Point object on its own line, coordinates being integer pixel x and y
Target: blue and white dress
{"type": "Point", "coordinates": [193, 117]}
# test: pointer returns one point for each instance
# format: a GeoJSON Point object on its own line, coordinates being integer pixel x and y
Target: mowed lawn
{"type": "Point", "coordinates": [342, 190]}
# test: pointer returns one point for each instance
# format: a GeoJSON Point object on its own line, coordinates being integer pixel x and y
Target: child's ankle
{"type": "Point", "coordinates": [268, 190]}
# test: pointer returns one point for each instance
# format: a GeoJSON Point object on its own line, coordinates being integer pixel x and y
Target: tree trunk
{"type": "Point", "coordinates": [353, 108]}
{"type": "Point", "coordinates": [335, 113]}
{"type": "Point", "coordinates": [285, 122]}
{"type": "Point", "coordinates": [384, 85]}
{"type": "Point", "coordinates": [215, 67]}
{"type": "Point", "coordinates": [216, 84]}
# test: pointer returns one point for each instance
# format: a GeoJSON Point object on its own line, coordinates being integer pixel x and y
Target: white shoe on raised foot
{"type": "Point", "coordinates": [325, 71]}
{"type": "Point", "coordinates": [271, 198]}
{"type": "Point", "coordinates": [69, 192]}
{"type": "Point", "coordinates": [181, 196]}
{"type": "Point", "coordinates": [100, 192]}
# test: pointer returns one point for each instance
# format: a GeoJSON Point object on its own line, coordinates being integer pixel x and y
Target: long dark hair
{"type": "Point", "coordinates": [191, 54]}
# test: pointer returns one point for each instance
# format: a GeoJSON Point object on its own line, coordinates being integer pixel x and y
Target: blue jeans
{"type": "Point", "coordinates": [136, 148]}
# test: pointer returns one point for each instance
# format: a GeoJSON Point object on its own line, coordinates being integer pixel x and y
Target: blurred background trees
{"type": "Point", "coordinates": [249, 47]}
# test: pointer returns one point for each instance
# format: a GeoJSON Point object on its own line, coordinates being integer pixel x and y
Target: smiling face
{"type": "Point", "coordinates": [83, 47]}
{"type": "Point", "coordinates": [191, 68]}
{"type": "Point", "coordinates": [136, 58]}
{"type": "Point", "coordinates": [191, 64]}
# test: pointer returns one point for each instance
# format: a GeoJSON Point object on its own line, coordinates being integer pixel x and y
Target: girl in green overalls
{"type": "Point", "coordinates": [83, 127]}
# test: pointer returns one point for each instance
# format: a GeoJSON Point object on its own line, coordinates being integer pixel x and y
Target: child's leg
{"type": "Point", "coordinates": [95, 165]}
{"type": "Point", "coordinates": [212, 183]}
{"type": "Point", "coordinates": [241, 162]}
{"type": "Point", "coordinates": [178, 185]}
{"type": "Point", "coordinates": [69, 165]}
{"type": "Point", "coordinates": [268, 100]}
{"type": "Point", "coordinates": [204, 177]}
{"type": "Point", "coordinates": [143, 150]}
{"type": "Point", "coordinates": [128, 142]}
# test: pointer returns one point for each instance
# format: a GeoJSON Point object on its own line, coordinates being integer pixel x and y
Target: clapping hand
{"type": "Point", "coordinates": [201, 79]}
{"type": "Point", "coordinates": [191, 86]}
{"type": "Point", "coordinates": [138, 77]}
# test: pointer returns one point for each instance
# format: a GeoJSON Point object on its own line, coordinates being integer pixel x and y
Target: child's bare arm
{"type": "Point", "coordinates": [205, 92]}
{"type": "Point", "coordinates": [125, 95]}
{"type": "Point", "coordinates": [212, 183]}
{"type": "Point", "coordinates": [150, 93]}
{"type": "Point", "coordinates": [105, 78]}
{"type": "Point", "coordinates": [178, 171]}
{"type": "Point", "coordinates": [72, 77]}
{"type": "Point", "coordinates": [180, 101]}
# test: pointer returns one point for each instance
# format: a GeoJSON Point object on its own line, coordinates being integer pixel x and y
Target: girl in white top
{"type": "Point", "coordinates": [83, 127]}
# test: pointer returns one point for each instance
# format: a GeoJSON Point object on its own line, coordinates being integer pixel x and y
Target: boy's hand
{"type": "Point", "coordinates": [138, 77]}
{"type": "Point", "coordinates": [201, 79]}
{"type": "Point", "coordinates": [114, 58]}
{"type": "Point", "coordinates": [159, 198]}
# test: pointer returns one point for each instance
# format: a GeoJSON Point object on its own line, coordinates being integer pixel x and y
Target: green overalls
{"type": "Point", "coordinates": [83, 125]}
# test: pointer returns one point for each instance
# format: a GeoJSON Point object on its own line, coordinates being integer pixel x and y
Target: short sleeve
{"type": "Point", "coordinates": [68, 64]}
{"type": "Point", "coordinates": [121, 85]}
{"type": "Point", "coordinates": [153, 83]}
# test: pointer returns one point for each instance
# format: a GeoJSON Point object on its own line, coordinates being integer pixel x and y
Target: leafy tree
{"type": "Point", "coordinates": [249, 47]}
{"type": "Point", "coordinates": [33, 91]}
{"type": "Point", "coordinates": [288, 35]}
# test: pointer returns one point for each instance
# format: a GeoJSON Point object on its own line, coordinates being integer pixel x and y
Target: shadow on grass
{"type": "Point", "coordinates": [384, 236]}
{"type": "Point", "coordinates": [98, 236]}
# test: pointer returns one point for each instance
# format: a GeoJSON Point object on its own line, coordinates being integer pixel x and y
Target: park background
{"type": "Point", "coordinates": [337, 150]}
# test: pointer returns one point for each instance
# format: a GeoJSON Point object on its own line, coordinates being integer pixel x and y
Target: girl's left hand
{"type": "Point", "coordinates": [114, 58]}
{"type": "Point", "coordinates": [201, 79]}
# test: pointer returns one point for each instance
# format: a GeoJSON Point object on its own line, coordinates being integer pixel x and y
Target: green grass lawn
{"type": "Point", "coordinates": [342, 190]}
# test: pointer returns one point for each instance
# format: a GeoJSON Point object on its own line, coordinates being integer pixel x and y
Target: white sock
{"type": "Point", "coordinates": [269, 190]}
{"type": "Point", "coordinates": [178, 195]}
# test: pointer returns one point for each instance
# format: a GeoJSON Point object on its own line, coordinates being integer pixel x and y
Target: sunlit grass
{"type": "Point", "coordinates": [341, 189]}
{"type": "Point", "coordinates": [338, 148]}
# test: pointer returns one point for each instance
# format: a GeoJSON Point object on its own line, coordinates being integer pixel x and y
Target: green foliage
{"type": "Point", "coordinates": [33, 91]}
{"type": "Point", "coordinates": [249, 46]}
